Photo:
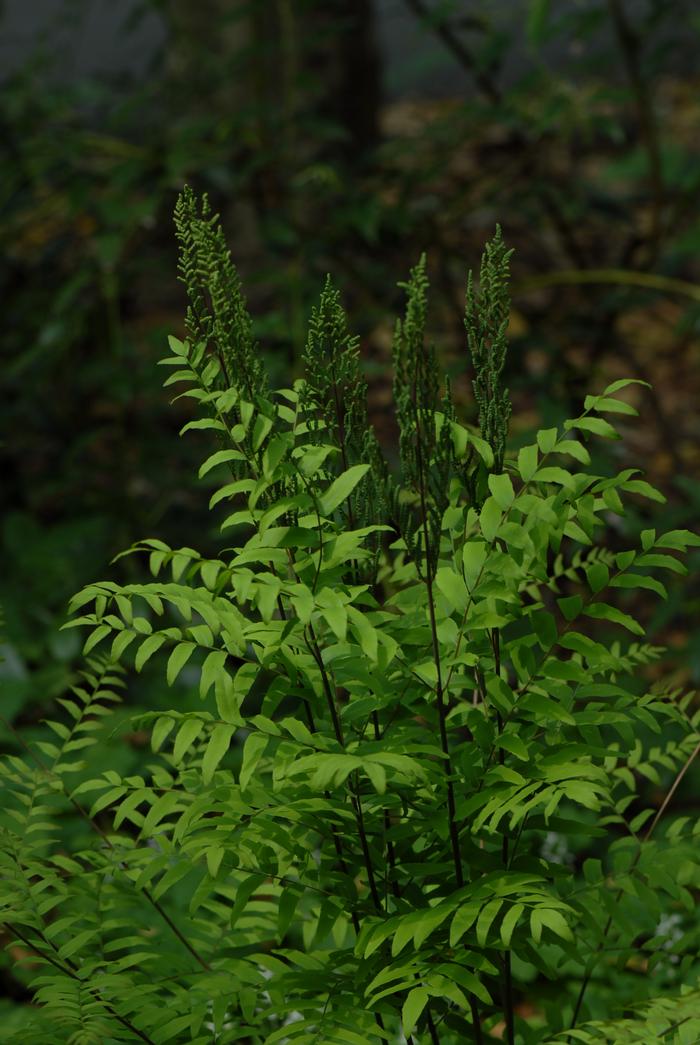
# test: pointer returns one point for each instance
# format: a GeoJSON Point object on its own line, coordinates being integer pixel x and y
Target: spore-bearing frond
{"type": "Point", "coordinates": [486, 322]}
{"type": "Point", "coordinates": [427, 458]}
{"type": "Point", "coordinates": [217, 312]}
{"type": "Point", "coordinates": [334, 404]}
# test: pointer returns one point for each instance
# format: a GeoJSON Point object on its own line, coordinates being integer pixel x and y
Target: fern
{"type": "Point", "coordinates": [415, 789]}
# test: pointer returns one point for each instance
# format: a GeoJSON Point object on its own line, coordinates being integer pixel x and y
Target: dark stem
{"type": "Point", "coordinates": [476, 1019]}
{"type": "Point", "coordinates": [391, 853]}
{"type": "Point", "coordinates": [343, 453]}
{"type": "Point", "coordinates": [355, 799]}
{"type": "Point", "coordinates": [507, 973]}
{"type": "Point", "coordinates": [432, 1029]}
{"type": "Point", "coordinates": [442, 710]}
{"type": "Point", "coordinates": [395, 888]}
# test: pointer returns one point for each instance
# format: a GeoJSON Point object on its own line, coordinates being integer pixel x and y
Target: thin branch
{"type": "Point", "coordinates": [439, 691]}
{"type": "Point", "coordinates": [620, 276]}
{"type": "Point", "coordinates": [457, 48]}
{"type": "Point", "coordinates": [507, 974]}
{"type": "Point", "coordinates": [314, 649]}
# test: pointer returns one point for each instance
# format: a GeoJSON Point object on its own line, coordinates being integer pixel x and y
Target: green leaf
{"type": "Point", "coordinates": [214, 854]}
{"type": "Point", "coordinates": [598, 577]}
{"type": "Point", "coordinates": [474, 556]}
{"type": "Point", "coordinates": [366, 634]}
{"type": "Point", "coordinates": [485, 920]}
{"type": "Point", "coordinates": [341, 489]}
{"type": "Point", "coordinates": [511, 742]}
{"type": "Point", "coordinates": [335, 613]}
{"type": "Point", "coordinates": [602, 611]}
{"type": "Point", "coordinates": [573, 448]}
{"type": "Point", "coordinates": [203, 424]}
{"type": "Point", "coordinates": [186, 735]}
{"type": "Point", "coordinates": [128, 809]}
{"type": "Point", "coordinates": [463, 920]}
{"type": "Point", "coordinates": [412, 1008]}
{"type": "Point", "coordinates": [502, 489]}
{"type": "Point", "coordinates": [303, 602]}
{"type": "Point", "coordinates": [638, 580]}
{"type": "Point", "coordinates": [312, 460]}
{"type": "Point", "coordinates": [594, 425]}
{"type": "Point", "coordinates": [274, 453]}
{"type": "Point", "coordinates": [547, 439]}
{"type": "Point", "coordinates": [121, 642]}
{"type": "Point", "coordinates": [644, 489]}
{"type": "Point", "coordinates": [552, 474]}
{"type": "Point", "coordinates": [624, 559]}
{"type": "Point", "coordinates": [664, 562]}
{"type": "Point", "coordinates": [211, 668]}
{"type": "Point", "coordinates": [286, 907]}
{"type": "Point", "coordinates": [554, 920]}
{"type": "Point", "coordinates": [147, 648]}
{"type": "Point", "coordinates": [220, 457]}
{"type": "Point", "coordinates": [177, 347]}
{"type": "Point", "coordinates": [218, 745]}
{"type": "Point", "coordinates": [624, 382]}
{"type": "Point", "coordinates": [545, 708]}
{"type": "Point", "coordinates": [490, 518]}
{"type": "Point", "coordinates": [107, 799]}
{"type": "Point", "coordinates": [452, 586]}
{"type": "Point", "coordinates": [463, 439]}
{"type": "Point", "coordinates": [261, 430]}
{"type": "Point", "coordinates": [510, 920]}
{"type": "Point", "coordinates": [471, 983]}
{"type": "Point", "coordinates": [253, 749]}
{"type": "Point", "coordinates": [162, 728]}
{"type": "Point", "coordinates": [545, 627]}
{"type": "Point", "coordinates": [527, 462]}
{"type": "Point", "coordinates": [536, 925]}
{"type": "Point", "coordinates": [603, 404]}
{"type": "Point", "coordinates": [177, 660]}
{"type": "Point", "coordinates": [162, 807]}
{"type": "Point", "coordinates": [647, 539]}
{"type": "Point", "coordinates": [377, 776]}
{"type": "Point", "coordinates": [574, 531]}
{"type": "Point", "coordinates": [678, 540]}
{"type": "Point", "coordinates": [500, 693]}
{"type": "Point", "coordinates": [96, 636]}
{"type": "Point", "coordinates": [570, 606]}
{"type": "Point", "coordinates": [209, 572]}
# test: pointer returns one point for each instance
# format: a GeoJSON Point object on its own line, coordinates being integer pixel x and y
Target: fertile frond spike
{"type": "Point", "coordinates": [415, 371]}
{"type": "Point", "coordinates": [334, 403]}
{"type": "Point", "coordinates": [427, 461]}
{"type": "Point", "coordinates": [486, 322]}
{"type": "Point", "coordinates": [334, 391]}
{"type": "Point", "coordinates": [217, 312]}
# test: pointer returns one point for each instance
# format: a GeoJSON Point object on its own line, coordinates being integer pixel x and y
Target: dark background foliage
{"type": "Point", "coordinates": [343, 136]}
